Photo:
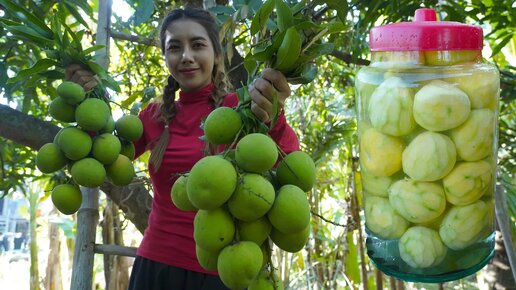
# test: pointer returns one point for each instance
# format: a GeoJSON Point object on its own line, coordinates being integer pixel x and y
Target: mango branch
{"type": "Point", "coordinates": [32, 132]}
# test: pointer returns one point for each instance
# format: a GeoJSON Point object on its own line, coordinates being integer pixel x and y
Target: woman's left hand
{"type": "Point", "coordinates": [262, 93]}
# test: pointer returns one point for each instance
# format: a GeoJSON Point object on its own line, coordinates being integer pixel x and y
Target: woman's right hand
{"type": "Point", "coordinates": [77, 74]}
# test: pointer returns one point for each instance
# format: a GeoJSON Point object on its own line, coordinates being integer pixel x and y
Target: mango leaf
{"type": "Point", "coordinates": [275, 109]}
{"type": "Point", "coordinates": [76, 41]}
{"type": "Point", "coordinates": [251, 66]}
{"type": "Point", "coordinates": [93, 48]}
{"type": "Point", "coordinates": [27, 100]}
{"type": "Point", "coordinates": [56, 28]}
{"type": "Point", "coordinates": [340, 6]}
{"type": "Point", "coordinates": [8, 22]}
{"type": "Point", "coordinates": [28, 18]}
{"type": "Point", "coordinates": [85, 6]}
{"type": "Point", "coordinates": [29, 34]}
{"type": "Point", "coordinates": [307, 25]}
{"type": "Point", "coordinates": [336, 27]}
{"type": "Point", "coordinates": [221, 9]}
{"type": "Point", "coordinates": [53, 74]}
{"type": "Point", "coordinates": [284, 17]}
{"type": "Point", "coordinates": [261, 16]}
{"type": "Point", "coordinates": [75, 13]}
{"type": "Point", "coordinates": [243, 94]}
{"type": "Point", "coordinates": [131, 99]}
{"type": "Point", "coordinates": [501, 44]}
{"type": "Point", "coordinates": [102, 73]}
{"type": "Point", "coordinates": [143, 11]}
{"type": "Point", "coordinates": [39, 66]}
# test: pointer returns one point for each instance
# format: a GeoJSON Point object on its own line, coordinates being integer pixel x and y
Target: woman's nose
{"type": "Point", "coordinates": [187, 55]}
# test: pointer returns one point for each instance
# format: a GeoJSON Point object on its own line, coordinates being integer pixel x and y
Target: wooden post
{"type": "Point", "coordinates": [88, 215]}
{"type": "Point", "coordinates": [87, 220]}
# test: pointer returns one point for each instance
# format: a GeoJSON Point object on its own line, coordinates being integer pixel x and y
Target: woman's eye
{"type": "Point", "coordinates": [198, 45]}
{"type": "Point", "coordinates": [173, 47]}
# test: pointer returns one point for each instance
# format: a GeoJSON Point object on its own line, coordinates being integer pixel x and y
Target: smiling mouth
{"type": "Point", "coordinates": [189, 70]}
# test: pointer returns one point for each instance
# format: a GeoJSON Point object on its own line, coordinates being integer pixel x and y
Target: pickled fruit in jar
{"type": "Point", "coordinates": [474, 138]}
{"type": "Point", "coordinates": [382, 219]}
{"type": "Point", "coordinates": [390, 107]}
{"type": "Point", "coordinates": [439, 106]}
{"type": "Point", "coordinates": [398, 59]}
{"type": "Point", "coordinates": [421, 247]}
{"type": "Point", "coordinates": [467, 182]}
{"type": "Point", "coordinates": [365, 85]}
{"type": "Point", "coordinates": [429, 157]}
{"type": "Point", "coordinates": [464, 225]}
{"type": "Point", "coordinates": [380, 153]}
{"type": "Point", "coordinates": [375, 185]}
{"type": "Point", "coordinates": [451, 57]}
{"type": "Point", "coordinates": [482, 87]}
{"type": "Point", "coordinates": [417, 201]}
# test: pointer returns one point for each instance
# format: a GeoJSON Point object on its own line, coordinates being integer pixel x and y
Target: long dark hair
{"type": "Point", "coordinates": [221, 85]}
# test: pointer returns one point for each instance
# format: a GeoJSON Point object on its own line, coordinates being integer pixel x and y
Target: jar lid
{"type": "Point", "coordinates": [425, 33]}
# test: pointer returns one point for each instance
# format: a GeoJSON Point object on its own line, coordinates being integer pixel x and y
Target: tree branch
{"type": "Point", "coordinates": [134, 199]}
{"type": "Point", "coordinates": [135, 38]}
{"type": "Point", "coordinates": [348, 58]}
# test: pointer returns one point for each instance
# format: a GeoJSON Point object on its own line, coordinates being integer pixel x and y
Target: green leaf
{"type": "Point", "coordinates": [275, 109]}
{"type": "Point", "coordinates": [8, 22]}
{"type": "Point", "coordinates": [261, 16]}
{"type": "Point", "coordinates": [307, 25]}
{"type": "Point", "coordinates": [93, 48]}
{"type": "Point", "coordinates": [243, 95]}
{"type": "Point", "coordinates": [104, 76]}
{"type": "Point", "coordinates": [143, 11]}
{"type": "Point", "coordinates": [284, 17]}
{"type": "Point", "coordinates": [250, 66]}
{"type": "Point", "coordinates": [501, 44]}
{"type": "Point", "coordinates": [340, 6]}
{"type": "Point", "coordinates": [30, 34]}
{"type": "Point", "coordinates": [125, 103]}
{"type": "Point", "coordinates": [76, 41]}
{"type": "Point", "coordinates": [27, 100]}
{"type": "Point", "coordinates": [84, 6]}
{"type": "Point", "coordinates": [38, 67]}
{"type": "Point", "coordinates": [336, 27]}
{"type": "Point", "coordinates": [221, 9]}
{"type": "Point", "coordinates": [28, 18]}
{"type": "Point", "coordinates": [75, 13]}
{"type": "Point", "coordinates": [53, 74]}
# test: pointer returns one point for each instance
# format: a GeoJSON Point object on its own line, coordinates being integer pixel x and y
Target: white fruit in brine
{"type": "Point", "coordinates": [440, 106]}
{"type": "Point", "coordinates": [429, 157]}
{"type": "Point", "coordinates": [390, 107]}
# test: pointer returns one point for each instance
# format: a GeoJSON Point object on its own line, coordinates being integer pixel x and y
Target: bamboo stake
{"type": "Point", "coordinates": [87, 220]}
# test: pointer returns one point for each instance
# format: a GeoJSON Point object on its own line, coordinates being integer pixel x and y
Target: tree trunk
{"type": "Point", "coordinates": [53, 278]}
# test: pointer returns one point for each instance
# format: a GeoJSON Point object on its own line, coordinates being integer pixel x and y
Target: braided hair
{"type": "Point", "coordinates": [221, 85]}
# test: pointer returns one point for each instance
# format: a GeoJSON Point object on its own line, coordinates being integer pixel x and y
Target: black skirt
{"type": "Point", "coordinates": [151, 275]}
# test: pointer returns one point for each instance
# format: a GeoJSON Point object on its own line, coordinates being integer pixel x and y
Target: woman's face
{"type": "Point", "coordinates": [189, 54]}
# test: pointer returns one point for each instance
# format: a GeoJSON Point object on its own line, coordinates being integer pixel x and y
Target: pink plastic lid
{"type": "Point", "coordinates": [425, 33]}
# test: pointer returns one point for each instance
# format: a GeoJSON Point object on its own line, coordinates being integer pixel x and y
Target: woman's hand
{"type": "Point", "coordinates": [81, 76]}
{"type": "Point", "coordinates": [262, 93]}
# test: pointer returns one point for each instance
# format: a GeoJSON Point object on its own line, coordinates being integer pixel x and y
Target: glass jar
{"type": "Point", "coordinates": [427, 109]}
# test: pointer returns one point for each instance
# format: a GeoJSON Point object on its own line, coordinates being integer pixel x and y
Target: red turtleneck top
{"type": "Point", "coordinates": [168, 238]}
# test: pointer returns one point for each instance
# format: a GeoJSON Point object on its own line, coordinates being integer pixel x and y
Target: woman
{"type": "Point", "coordinates": [193, 54]}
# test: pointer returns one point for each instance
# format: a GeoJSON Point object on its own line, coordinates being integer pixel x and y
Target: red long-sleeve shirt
{"type": "Point", "coordinates": [168, 238]}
